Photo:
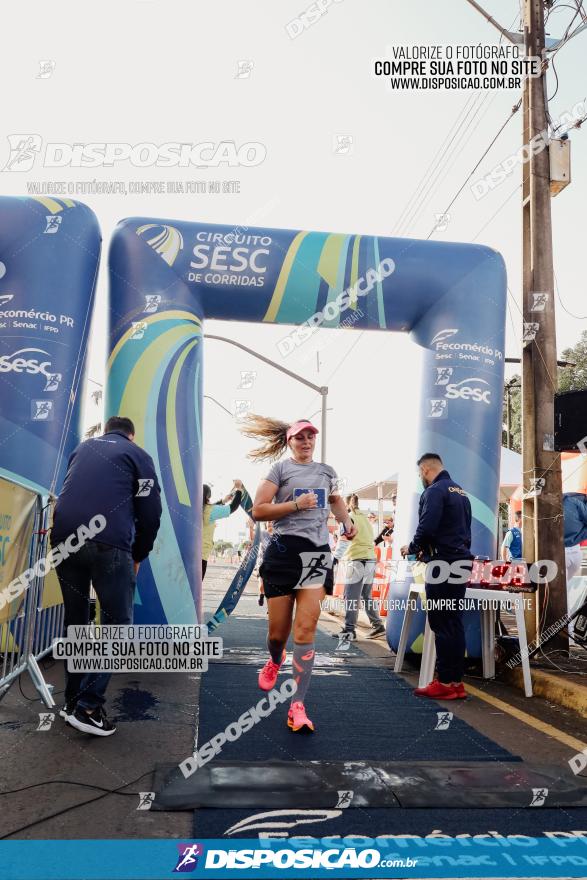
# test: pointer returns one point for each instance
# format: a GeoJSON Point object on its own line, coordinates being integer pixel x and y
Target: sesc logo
{"type": "Point", "coordinates": [465, 391]}
{"type": "Point", "coordinates": [18, 362]}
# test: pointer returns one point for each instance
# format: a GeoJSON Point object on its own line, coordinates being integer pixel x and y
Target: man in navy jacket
{"type": "Point", "coordinates": [443, 536]}
{"type": "Point", "coordinates": [112, 479]}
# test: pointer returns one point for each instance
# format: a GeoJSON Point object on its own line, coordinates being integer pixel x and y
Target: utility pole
{"type": "Point", "coordinates": [542, 506]}
{"type": "Point", "coordinates": [542, 521]}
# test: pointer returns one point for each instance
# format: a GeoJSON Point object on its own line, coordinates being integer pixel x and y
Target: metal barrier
{"type": "Point", "coordinates": [27, 636]}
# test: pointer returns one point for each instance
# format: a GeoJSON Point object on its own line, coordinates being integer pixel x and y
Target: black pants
{"type": "Point", "coordinates": [446, 622]}
{"type": "Point", "coordinates": [204, 567]}
{"type": "Point", "coordinates": [111, 573]}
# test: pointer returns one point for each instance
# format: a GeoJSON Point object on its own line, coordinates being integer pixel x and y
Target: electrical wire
{"type": "Point", "coordinates": [437, 157]}
{"type": "Point", "coordinates": [30, 699]}
{"type": "Point", "coordinates": [549, 98]}
{"type": "Point", "coordinates": [81, 784]}
{"type": "Point", "coordinates": [578, 317]}
{"type": "Point", "coordinates": [514, 332]}
{"type": "Point", "coordinates": [568, 36]}
{"type": "Point", "coordinates": [339, 365]}
{"type": "Point", "coordinates": [444, 147]}
{"type": "Point", "coordinates": [458, 150]}
{"type": "Point", "coordinates": [435, 179]}
{"type": "Point", "coordinates": [515, 302]}
{"type": "Point", "coordinates": [556, 666]}
{"type": "Point", "coordinates": [513, 111]}
{"type": "Point", "coordinates": [516, 18]}
{"type": "Point", "coordinates": [576, 124]}
{"type": "Point", "coordinates": [511, 195]}
{"type": "Point", "coordinates": [106, 793]}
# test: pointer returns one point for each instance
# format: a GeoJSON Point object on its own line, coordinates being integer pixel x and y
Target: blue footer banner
{"type": "Point", "coordinates": [564, 855]}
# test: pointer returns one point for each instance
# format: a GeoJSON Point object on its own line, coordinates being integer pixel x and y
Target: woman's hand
{"type": "Point", "coordinates": [350, 530]}
{"type": "Point", "coordinates": [238, 484]}
{"type": "Point", "coordinates": [307, 501]}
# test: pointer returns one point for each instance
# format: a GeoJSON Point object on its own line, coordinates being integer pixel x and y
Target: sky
{"type": "Point", "coordinates": [163, 70]}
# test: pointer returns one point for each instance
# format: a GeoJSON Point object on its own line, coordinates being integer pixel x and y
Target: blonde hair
{"type": "Point", "coordinates": [272, 432]}
{"type": "Point", "coordinates": [352, 501]}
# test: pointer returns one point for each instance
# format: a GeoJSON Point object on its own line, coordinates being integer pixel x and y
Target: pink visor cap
{"type": "Point", "coordinates": [302, 425]}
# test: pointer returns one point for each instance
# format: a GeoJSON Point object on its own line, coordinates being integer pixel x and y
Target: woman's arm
{"type": "Point", "coordinates": [341, 514]}
{"type": "Point", "coordinates": [264, 509]}
{"type": "Point", "coordinates": [236, 500]}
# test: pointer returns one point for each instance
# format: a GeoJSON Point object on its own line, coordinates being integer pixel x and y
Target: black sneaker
{"type": "Point", "coordinates": [345, 634]}
{"type": "Point", "coordinates": [67, 710]}
{"type": "Point", "coordinates": [376, 632]}
{"type": "Point", "coordinates": [95, 722]}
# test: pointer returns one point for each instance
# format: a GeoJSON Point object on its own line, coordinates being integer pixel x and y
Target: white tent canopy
{"type": "Point", "coordinates": [510, 477]}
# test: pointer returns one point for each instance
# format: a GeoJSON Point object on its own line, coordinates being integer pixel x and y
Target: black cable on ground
{"type": "Point", "coordinates": [107, 792]}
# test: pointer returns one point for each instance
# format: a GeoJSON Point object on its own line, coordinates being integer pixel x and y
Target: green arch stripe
{"type": "Point", "coordinates": [172, 437]}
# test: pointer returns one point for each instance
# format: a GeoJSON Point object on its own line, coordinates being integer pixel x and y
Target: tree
{"type": "Point", "coordinates": [574, 378]}
{"type": "Point", "coordinates": [220, 546]}
{"type": "Point", "coordinates": [569, 379]}
{"type": "Point", "coordinates": [513, 389]}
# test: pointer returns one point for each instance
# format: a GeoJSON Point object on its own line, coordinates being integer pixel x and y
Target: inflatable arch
{"type": "Point", "coordinates": [166, 277]}
{"type": "Point", "coordinates": [49, 256]}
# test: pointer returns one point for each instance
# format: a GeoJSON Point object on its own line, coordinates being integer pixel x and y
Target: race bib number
{"type": "Point", "coordinates": [320, 493]}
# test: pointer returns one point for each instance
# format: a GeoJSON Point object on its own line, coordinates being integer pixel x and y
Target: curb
{"type": "Point", "coordinates": [556, 689]}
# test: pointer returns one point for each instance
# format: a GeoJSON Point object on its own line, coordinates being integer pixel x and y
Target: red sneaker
{"type": "Point", "coordinates": [461, 692]}
{"type": "Point", "coordinates": [437, 691]}
{"type": "Point", "coordinates": [297, 719]}
{"type": "Point", "coordinates": [269, 673]}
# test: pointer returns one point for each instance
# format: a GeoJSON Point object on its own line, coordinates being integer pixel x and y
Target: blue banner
{"type": "Point", "coordinates": [407, 857]}
{"type": "Point", "coordinates": [237, 585]}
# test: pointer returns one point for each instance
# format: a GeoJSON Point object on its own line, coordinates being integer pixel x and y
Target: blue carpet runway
{"type": "Point", "coordinates": [362, 711]}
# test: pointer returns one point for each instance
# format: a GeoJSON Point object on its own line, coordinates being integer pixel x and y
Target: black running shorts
{"type": "Point", "coordinates": [291, 563]}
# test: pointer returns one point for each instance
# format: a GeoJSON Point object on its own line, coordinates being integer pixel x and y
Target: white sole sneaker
{"type": "Point", "coordinates": [65, 714]}
{"type": "Point", "coordinates": [90, 726]}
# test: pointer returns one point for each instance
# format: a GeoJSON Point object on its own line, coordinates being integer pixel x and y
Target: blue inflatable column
{"type": "Point", "coordinates": [49, 255]}
{"type": "Point", "coordinates": [155, 379]}
{"type": "Point", "coordinates": [463, 334]}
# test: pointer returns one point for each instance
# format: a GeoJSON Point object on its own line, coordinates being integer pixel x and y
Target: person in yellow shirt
{"type": "Point", "coordinates": [360, 571]}
{"type": "Point", "coordinates": [211, 513]}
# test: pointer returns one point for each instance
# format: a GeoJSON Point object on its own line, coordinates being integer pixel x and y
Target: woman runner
{"type": "Point", "coordinates": [297, 564]}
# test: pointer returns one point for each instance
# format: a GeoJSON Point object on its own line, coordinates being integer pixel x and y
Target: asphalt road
{"type": "Point", "coordinates": [157, 718]}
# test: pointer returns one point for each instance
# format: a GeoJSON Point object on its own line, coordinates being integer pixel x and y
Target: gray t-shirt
{"type": "Point", "coordinates": [289, 475]}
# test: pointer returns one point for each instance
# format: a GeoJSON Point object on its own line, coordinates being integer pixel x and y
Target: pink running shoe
{"type": "Point", "coordinates": [297, 719]}
{"type": "Point", "coordinates": [268, 675]}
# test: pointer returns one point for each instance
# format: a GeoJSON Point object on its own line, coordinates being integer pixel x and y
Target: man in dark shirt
{"type": "Point", "coordinates": [386, 531]}
{"type": "Point", "coordinates": [112, 479]}
{"type": "Point", "coordinates": [443, 536]}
